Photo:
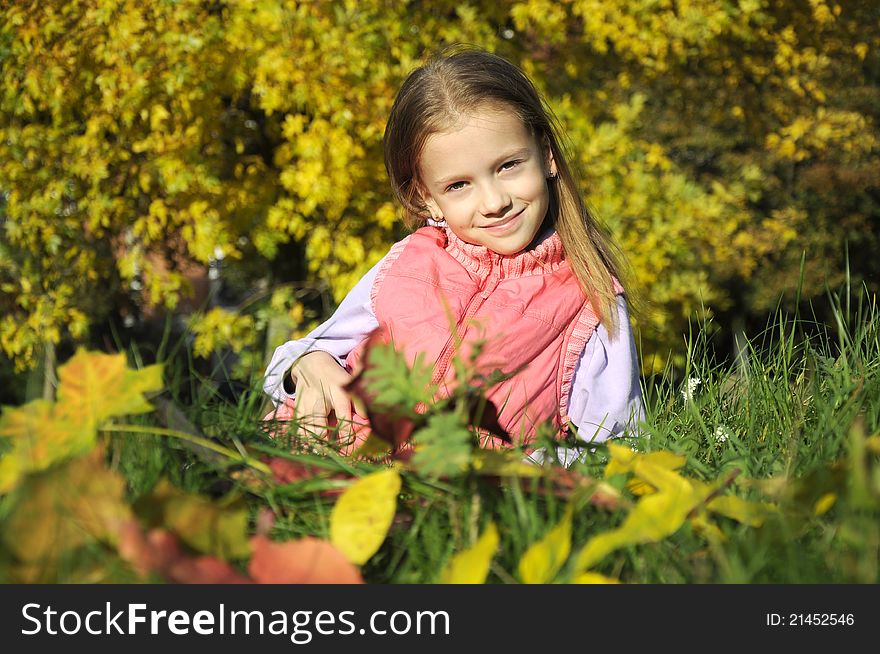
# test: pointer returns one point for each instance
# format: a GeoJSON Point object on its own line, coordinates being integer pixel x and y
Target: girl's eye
{"type": "Point", "coordinates": [510, 164]}
{"type": "Point", "coordinates": [455, 186]}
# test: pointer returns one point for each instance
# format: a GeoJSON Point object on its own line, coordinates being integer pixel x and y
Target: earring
{"type": "Point", "coordinates": [552, 176]}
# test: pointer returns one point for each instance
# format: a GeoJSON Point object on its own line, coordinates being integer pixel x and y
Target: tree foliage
{"type": "Point", "coordinates": [718, 140]}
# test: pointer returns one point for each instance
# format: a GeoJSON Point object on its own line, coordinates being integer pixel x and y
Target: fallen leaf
{"type": "Point", "coordinates": [594, 578]}
{"type": "Point", "coordinates": [218, 527]}
{"type": "Point", "coordinates": [94, 386]}
{"type": "Point", "coordinates": [40, 438]}
{"type": "Point", "coordinates": [361, 517]}
{"type": "Point", "coordinates": [653, 517]}
{"type": "Point", "coordinates": [159, 552]}
{"type": "Point", "coordinates": [304, 561]}
{"type": "Point", "coordinates": [61, 509]}
{"type": "Point", "coordinates": [472, 565]}
{"type": "Point", "coordinates": [543, 559]}
{"type": "Point", "coordinates": [752, 514]}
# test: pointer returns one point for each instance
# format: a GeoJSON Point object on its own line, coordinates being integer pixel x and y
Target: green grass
{"type": "Point", "coordinates": [797, 409]}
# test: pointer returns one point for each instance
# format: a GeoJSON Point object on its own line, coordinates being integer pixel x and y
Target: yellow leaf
{"type": "Point", "coordinates": [472, 565]}
{"type": "Point", "coordinates": [594, 578]}
{"type": "Point", "coordinates": [708, 529]}
{"type": "Point", "coordinates": [654, 517]}
{"type": "Point", "coordinates": [11, 470]}
{"type": "Point", "coordinates": [361, 517]}
{"type": "Point", "coordinates": [503, 463]}
{"type": "Point", "coordinates": [57, 511]}
{"type": "Point", "coordinates": [95, 386]}
{"type": "Point", "coordinates": [752, 514]}
{"type": "Point", "coordinates": [218, 528]}
{"type": "Point", "coordinates": [637, 486]}
{"type": "Point", "coordinates": [623, 459]}
{"type": "Point", "coordinates": [824, 504]}
{"type": "Point", "coordinates": [40, 437]}
{"type": "Point", "coordinates": [662, 478]}
{"type": "Point", "coordinates": [543, 559]}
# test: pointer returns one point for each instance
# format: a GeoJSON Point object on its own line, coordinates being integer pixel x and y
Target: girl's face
{"type": "Point", "coordinates": [487, 178]}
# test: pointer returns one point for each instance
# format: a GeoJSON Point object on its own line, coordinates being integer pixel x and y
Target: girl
{"type": "Point", "coordinates": [507, 247]}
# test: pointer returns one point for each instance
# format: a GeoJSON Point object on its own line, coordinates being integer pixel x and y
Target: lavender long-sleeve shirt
{"type": "Point", "coordinates": [605, 393]}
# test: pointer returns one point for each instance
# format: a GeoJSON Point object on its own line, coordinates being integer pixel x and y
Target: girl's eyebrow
{"type": "Point", "coordinates": [519, 153]}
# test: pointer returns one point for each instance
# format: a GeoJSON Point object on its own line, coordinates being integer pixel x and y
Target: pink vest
{"type": "Point", "coordinates": [527, 309]}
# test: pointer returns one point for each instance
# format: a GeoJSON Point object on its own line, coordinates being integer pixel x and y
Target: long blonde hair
{"type": "Point", "coordinates": [461, 80]}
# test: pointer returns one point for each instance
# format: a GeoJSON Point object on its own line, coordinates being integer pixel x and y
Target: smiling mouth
{"type": "Point", "coordinates": [504, 221]}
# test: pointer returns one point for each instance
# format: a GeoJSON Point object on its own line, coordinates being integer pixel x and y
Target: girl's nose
{"type": "Point", "coordinates": [495, 200]}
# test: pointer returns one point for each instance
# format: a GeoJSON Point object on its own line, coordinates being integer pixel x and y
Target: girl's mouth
{"type": "Point", "coordinates": [505, 223]}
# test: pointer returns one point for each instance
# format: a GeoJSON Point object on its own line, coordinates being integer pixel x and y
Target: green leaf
{"type": "Point", "coordinates": [393, 382]}
{"type": "Point", "coordinates": [443, 446]}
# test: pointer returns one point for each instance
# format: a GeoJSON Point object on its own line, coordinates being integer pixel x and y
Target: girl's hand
{"type": "Point", "coordinates": [319, 381]}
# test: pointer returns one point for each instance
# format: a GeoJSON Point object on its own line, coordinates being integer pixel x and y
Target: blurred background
{"type": "Point", "coordinates": [210, 172]}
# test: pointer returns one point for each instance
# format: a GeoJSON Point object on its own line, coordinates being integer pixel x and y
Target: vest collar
{"type": "Point", "coordinates": [546, 256]}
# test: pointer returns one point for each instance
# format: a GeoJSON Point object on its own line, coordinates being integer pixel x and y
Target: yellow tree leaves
{"type": "Point", "coordinates": [219, 327]}
{"type": "Point", "coordinates": [172, 129]}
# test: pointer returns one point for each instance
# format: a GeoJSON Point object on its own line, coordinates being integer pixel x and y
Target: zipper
{"type": "Point", "coordinates": [474, 304]}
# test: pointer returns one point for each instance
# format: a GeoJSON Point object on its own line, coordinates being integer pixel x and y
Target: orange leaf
{"type": "Point", "coordinates": [159, 551]}
{"type": "Point", "coordinates": [305, 561]}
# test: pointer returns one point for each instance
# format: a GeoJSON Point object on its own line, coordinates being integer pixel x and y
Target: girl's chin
{"type": "Point", "coordinates": [507, 246]}
{"type": "Point", "coordinates": [504, 244]}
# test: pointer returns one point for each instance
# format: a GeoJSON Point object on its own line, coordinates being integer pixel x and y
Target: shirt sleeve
{"type": "Point", "coordinates": [606, 397]}
{"type": "Point", "coordinates": [350, 324]}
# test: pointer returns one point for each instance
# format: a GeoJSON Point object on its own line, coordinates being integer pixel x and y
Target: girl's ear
{"type": "Point", "coordinates": [432, 206]}
{"type": "Point", "coordinates": [549, 162]}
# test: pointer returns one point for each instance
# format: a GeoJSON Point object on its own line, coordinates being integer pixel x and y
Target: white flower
{"type": "Point", "coordinates": [692, 383]}
{"type": "Point", "coordinates": [721, 434]}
